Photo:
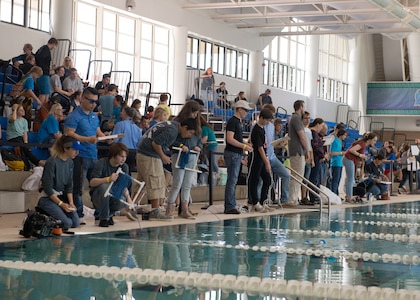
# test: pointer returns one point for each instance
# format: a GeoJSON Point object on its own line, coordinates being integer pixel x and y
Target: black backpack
{"type": "Point", "coordinates": [38, 225]}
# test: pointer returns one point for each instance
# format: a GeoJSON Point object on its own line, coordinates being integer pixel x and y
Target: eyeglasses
{"type": "Point", "coordinates": [91, 101]}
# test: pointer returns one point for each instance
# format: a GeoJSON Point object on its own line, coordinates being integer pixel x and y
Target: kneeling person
{"type": "Point", "coordinates": [103, 174]}
{"type": "Point", "coordinates": [57, 182]}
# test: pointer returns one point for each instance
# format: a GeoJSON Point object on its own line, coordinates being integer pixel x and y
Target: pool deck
{"type": "Point", "coordinates": [10, 224]}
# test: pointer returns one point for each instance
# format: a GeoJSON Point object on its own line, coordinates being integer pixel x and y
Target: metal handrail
{"type": "Point", "coordinates": [310, 186]}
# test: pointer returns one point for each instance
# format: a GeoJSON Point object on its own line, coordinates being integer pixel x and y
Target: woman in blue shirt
{"type": "Point", "coordinates": [49, 130]}
{"type": "Point", "coordinates": [336, 162]}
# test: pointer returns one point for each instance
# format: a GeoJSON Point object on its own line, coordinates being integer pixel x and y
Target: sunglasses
{"type": "Point", "coordinates": [91, 101]}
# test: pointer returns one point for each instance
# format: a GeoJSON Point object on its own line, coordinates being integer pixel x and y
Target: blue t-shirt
{"type": "Point", "coordinates": [336, 146]}
{"type": "Point", "coordinates": [85, 125]}
{"type": "Point", "coordinates": [28, 83]}
{"type": "Point", "coordinates": [132, 133]}
{"type": "Point", "coordinates": [48, 128]}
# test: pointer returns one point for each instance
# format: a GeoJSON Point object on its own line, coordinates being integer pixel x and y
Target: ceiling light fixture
{"type": "Point", "coordinates": [130, 5]}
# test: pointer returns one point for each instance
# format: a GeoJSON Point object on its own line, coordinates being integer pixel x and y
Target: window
{"type": "Point", "coordinates": [285, 63]}
{"type": "Point", "coordinates": [38, 17]}
{"type": "Point", "coordinates": [39, 14]}
{"type": "Point", "coordinates": [333, 68]}
{"type": "Point", "coordinates": [133, 45]}
{"type": "Point", "coordinates": [222, 59]}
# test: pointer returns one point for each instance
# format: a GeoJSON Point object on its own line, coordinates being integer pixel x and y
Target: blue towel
{"type": "Point", "coordinates": [183, 159]}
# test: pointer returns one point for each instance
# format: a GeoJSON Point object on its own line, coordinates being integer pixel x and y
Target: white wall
{"type": "Point", "coordinates": [16, 37]}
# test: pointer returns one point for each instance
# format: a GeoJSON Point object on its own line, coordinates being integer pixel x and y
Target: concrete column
{"type": "Point", "coordinates": [413, 42]}
{"type": "Point", "coordinates": [62, 19]}
{"type": "Point", "coordinates": [256, 60]}
{"type": "Point", "coordinates": [354, 74]}
{"type": "Point", "coordinates": [311, 74]}
{"type": "Point", "coordinates": [179, 88]}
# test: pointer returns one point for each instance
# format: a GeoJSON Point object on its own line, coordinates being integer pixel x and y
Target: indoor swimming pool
{"type": "Point", "coordinates": [365, 252]}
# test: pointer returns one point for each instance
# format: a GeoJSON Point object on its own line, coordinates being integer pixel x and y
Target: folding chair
{"type": "Point", "coordinates": [177, 164]}
{"type": "Point", "coordinates": [116, 188]}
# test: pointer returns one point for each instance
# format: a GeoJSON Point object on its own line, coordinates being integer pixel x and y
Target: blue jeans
{"type": "Point", "coordinates": [182, 180]}
{"type": "Point", "coordinates": [105, 207]}
{"type": "Point", "coordinates": [69, 220]}
{"type": "Point", "coordinates": [335, 180]}
{"type": "Point", "coordinates": [233, 165]}
{"type": "Point", "coordinates": [83, 168]}
{"type": "Point", "coordinates": [280, 171]}
{"type": "Point", "coordinates": [377, 189]}
{"type": "Point", "coordinates": [349, 167]}
{"type": "Point", "coordinates": [315, 178]}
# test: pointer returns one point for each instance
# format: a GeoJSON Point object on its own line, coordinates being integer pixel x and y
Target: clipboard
{"type": "Point", "coordinates": [280, 140]}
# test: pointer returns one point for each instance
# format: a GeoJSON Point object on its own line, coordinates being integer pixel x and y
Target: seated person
{"type": "Point", "coordinates": [27, 50]}
{"type": "Point", "coordinates": [373, 170]}
{"type": "Point", "coordinates": [241, 96]}
{"type": "Point", "coordinates": [50, 127]}
{"type": "Point", "coordinates": [57, 88]}
{"type": "Point", "coordinates": [101, 86]}
{"type": "Point", "coordinates": [73, 82]}
{"type": "Point", "coordinates": [57, 182]}
{"type": "Point", "coordinates": [103, 173]}
{"type": "Point", "coordinates": [17, 132]}
{"type": "Point", "coordinates": [27, 64]}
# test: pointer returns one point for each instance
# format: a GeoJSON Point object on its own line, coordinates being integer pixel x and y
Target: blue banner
{"type": "Point", "coordinates": [393, 98]}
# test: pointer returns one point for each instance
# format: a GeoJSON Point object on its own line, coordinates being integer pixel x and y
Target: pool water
{"type": "Point", "coordinates": [362, 252]}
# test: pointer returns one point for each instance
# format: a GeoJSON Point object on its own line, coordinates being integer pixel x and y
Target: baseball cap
{"type": "Point", "coordinates": [76, 145]}
{"type": "Point", "coordinates": [243, 104]}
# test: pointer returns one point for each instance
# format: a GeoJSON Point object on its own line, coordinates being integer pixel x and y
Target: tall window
{"type": "Point", "coordinates": [133, 45]}
{"type": "Point", "coordinates": [284, 63]}
{"type": "Point", "coordinates": [333, 68]}
{"type": "Point", "coordinates": [39, 14]}
{"type": "Point", "coordinates": [38, 17]}
{"type": "Point", "coordinates": [224, 60]}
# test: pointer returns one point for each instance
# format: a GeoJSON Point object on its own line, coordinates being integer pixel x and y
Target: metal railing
{"type": "Point", "coordinates": [312, 188]}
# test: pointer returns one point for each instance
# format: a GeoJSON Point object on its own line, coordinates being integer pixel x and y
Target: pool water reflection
{"type": "Point", "coordinates": [336, 251]}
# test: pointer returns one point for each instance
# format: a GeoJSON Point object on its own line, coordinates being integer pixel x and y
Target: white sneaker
{"type": "Point", "coordinates": [268, 208]}
{"type": "Point", "coordinates": [259, 208]}
{"type": "Point", "coordinates": [82, 221]}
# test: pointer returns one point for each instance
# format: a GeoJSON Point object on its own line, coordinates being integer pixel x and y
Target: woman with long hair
{"type": "Point", "coordinates": [355, 155]}
{"type": "Point", "coordinates": [50, 127]}
{"type": "Point", "coordinates": [57, 182]}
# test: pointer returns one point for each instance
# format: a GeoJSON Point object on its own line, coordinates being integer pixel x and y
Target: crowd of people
{"type": "Point", "coordinates": [75, 120]}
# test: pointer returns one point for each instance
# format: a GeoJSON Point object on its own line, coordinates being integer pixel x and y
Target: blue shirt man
{"type": "Point", "coordinates": [83, 125]}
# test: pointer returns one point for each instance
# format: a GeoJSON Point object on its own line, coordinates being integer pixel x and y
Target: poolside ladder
{"type": "Point", "coordinates": [312, 188]}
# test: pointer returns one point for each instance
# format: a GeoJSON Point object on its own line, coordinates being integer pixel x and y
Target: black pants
{"type": "Point", "coordinates": [256, 171]}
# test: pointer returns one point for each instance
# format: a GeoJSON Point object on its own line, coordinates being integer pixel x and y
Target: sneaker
{"type": "Point", "coordinates": [232, 211]}
{"type": "Point", "coordinates": [111, 222]}
{"type": "Point", "coordinates": [186, 215]}
{"type": "Point", "coordinates": [130, 214]}
{"type": "Point", "coordinates": [158, 215]}
{"type": "Point", "coordinates": [258, 208]}
{"type": "Point", "coordinates": [103, 223]}
{"type": "Point", "coordinates": [82, 221]}
{"type": "Point", "coordinates": [268, 208]}
{"type": "Point", "coordinates": [306, 201]}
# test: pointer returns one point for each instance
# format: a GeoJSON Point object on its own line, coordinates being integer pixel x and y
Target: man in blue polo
{"type": "Point", "coordinates": [83, 125]}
